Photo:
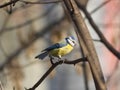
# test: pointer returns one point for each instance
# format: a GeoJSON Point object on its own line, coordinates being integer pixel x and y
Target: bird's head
{"type": "Point", "coordinates": [71, 40]}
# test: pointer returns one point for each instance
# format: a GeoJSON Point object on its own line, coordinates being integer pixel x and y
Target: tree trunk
{"type": "Point", "coordinates": [87, 44]}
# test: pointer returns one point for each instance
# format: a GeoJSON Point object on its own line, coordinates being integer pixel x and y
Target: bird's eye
{"type": "Point", "coordinates": [73, 42]}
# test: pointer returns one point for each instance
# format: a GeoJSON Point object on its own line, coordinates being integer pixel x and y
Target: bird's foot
{"type": "Point", "coordinates": [51, 59]}
{"type": "Point", "coordinates": [54, 60]}
{"type": "Point", "coordinates": [62, 59]}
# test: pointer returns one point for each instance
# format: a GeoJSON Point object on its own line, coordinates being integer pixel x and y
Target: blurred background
{"type": "Point", "coordinates": [26, 29]}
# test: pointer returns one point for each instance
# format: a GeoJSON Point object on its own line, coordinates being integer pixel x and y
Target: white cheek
{"type": "Point", "coordinates": [71, 43]}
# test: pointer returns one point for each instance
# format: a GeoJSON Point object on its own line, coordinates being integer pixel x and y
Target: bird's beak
{"type": "Point", "coordinates": [75, 42]}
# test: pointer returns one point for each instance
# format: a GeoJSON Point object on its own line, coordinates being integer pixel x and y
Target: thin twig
{"type": "Point", "coordinates": [98, 31]}
{"type": "Point", "coordinates": [102, 38]}
{"type": "Point", "coordinates": [8, 3]}
{"type": "Point", "coordinates": [73, 62]}
{"type": "Point", "coordinates": [96, 40]}
{"type": "Point", "coordinates": [100, 6]}
{"type": "Point", "coordinates": [41, 2]}
{"type": "Point", "coordinates": [28, 2]}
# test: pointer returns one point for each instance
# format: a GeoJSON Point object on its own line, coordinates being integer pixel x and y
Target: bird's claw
{"type": "Point", "coordinates": [58, 60]}
{"type": "Point", "coordinates": [51, 58]}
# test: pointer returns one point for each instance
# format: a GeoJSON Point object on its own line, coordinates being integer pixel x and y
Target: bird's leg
{"type": "Point", "coordinates": [64, 60]}
{"type": "Point", "coordinates": [51, 58]}
{"type": "Point", "coordinates": [59, 57]}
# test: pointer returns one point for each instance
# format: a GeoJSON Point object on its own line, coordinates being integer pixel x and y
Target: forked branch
{"type": "Point", "coordinates": [73, 62]}
{"type": "Point", "coordinates": [98, 31]}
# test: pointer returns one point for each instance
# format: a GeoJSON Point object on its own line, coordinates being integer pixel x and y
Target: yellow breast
{"type": "Point", "coordinates": [61, 51]}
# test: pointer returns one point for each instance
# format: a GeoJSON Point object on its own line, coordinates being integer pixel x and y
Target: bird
{"type": "Point", "coordinates": [58, 49]}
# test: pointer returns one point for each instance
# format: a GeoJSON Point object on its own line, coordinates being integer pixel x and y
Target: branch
{"type": "Point", "coordinates": [73, 62]}
{"type": "Point", "coordinates": [41, 2]}
{"type": "Point", "coordinates": [98, 31]}
{"type": "Point", "coordinates": [9, 3]}
{"type": "Point", "coordinates": [100, 6]}
{"type": "Point", "coordinates": [28, 2]}
{"type": "Point", "coordinates": [86, 43]}
{"type": "Point", "coordinates": [37, 36]}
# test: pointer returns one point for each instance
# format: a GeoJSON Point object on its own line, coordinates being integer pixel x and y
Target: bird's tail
{"type": "Point", "coordinates": [42, 55]}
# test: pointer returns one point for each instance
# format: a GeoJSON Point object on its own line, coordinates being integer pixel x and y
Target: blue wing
{"type": "Point", "coordinates": [55, 46]}
{"type": "Point", "coordinates": [42, 55]}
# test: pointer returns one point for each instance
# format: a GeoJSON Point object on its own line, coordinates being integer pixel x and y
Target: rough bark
{"type": "Point", "coordinates": [86, 43]}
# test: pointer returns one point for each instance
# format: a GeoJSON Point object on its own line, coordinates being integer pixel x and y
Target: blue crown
{"type": "Point", "coordinates": [72, 37]}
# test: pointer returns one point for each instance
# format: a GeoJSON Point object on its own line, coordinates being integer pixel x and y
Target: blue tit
{"type": "Point", "coordinates": [59, 49]}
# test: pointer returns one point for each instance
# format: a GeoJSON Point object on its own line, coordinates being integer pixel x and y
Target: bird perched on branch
{"type": "Point", "coordinates": [59, 49]}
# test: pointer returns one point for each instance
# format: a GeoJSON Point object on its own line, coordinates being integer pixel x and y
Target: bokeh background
{"type": "Point", "coordinates": [32, 27]}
